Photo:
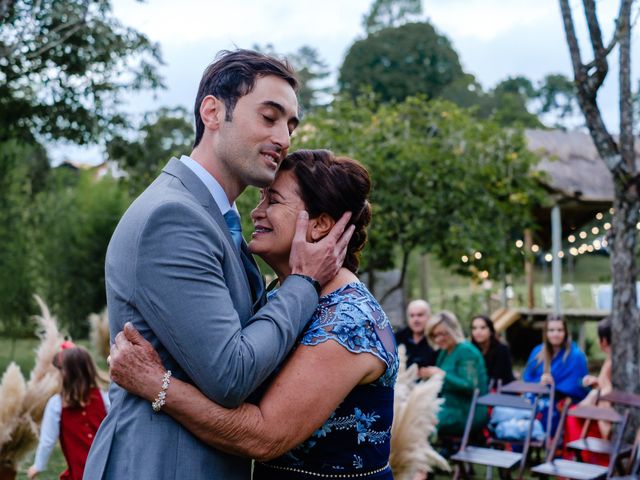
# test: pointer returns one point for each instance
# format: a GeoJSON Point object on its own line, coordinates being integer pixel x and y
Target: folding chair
{"type": "Point", "coordinates": [492, 457]}
{"type": "Point", "coordinates": [634, 466]}
{"type": "Point", "coordinates": [592, 444]}
{"type": "Point", "coordinates": [622, 398]}
{"type": "Point", "coordinates": [558, 467]}
{"type": "Point", "coordinates": [539, 390]}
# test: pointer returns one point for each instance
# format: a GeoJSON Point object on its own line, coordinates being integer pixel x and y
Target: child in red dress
{"type": "Point", "coordinates": [73, 415]}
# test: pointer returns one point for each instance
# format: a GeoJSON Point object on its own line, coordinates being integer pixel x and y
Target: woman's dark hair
{"type": "Point", "coordinates": [78, 375]}
{"type": "Point", "coordinates": [334, 185]}
{"type": "Point", "coordinates": [604, 329]}
{"type": "Point", "coordinates": [493, 338]}
{"type": "Point", "coordinates": [232, 75]}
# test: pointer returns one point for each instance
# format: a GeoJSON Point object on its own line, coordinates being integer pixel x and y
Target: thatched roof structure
{"type": "Point", "coordinates": [577, 178]}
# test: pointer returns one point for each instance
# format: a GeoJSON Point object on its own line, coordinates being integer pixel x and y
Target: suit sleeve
{"type": "Point", "coordinates": [183, 295]}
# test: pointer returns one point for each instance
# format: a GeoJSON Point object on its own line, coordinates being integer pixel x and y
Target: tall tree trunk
{"type": "Point", "coordinates": [620, 160]}
{"type": "Point", "coordinates": [625, 327]}
{"type": "Point", "coordinates": [625, 317]}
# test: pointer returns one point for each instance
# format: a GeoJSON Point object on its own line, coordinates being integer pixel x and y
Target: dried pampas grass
{"type": "Point", "coordinates": [99, 333]}
{"type": "Point", "coordinates": [22, 403]}
{"type": "Point", "coordinates": [415, 417]}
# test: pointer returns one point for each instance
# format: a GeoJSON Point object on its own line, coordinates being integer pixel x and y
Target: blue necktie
{"type": "Point", "coordinates": [235, 228]}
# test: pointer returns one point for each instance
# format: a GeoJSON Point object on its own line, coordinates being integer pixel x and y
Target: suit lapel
{"type": "Point", "coordinates": [258, 293]}
{"type": "Point", "coordinates": [253, 278]}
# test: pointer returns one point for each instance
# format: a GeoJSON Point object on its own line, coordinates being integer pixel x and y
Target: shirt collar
{"type": "Point", "coordinates": [216, 190]}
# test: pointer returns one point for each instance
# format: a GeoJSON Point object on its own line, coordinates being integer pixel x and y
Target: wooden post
{"type": "Point", "coordinates": [424, 277]}
{"type": "Point", "coordinates": [528, 269]}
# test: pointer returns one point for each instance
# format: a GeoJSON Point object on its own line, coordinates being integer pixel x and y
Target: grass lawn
{"type": "Point", "coordinates": [56, 466]}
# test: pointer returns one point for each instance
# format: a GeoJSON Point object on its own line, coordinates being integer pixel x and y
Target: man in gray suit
{"type": "Point", "coordinates": [178, 269]}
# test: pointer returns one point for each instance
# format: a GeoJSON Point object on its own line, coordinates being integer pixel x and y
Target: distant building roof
{"type": "Point", "coordinates": [577, 178]}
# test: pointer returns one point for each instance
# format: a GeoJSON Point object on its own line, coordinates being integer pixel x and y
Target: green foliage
{"type": "Point", "coordinates": [163, 134]}
{"type": "Point", "coordinates": [443, 182]}
{"type": "Point", "coordinates": [75, 217]}
{"type": "Point", "coordinates": [390, 13]}
{"type": "Point", "coordinates": [312, 72]}
{"type": "Point", "coordinates": [21, 173]}
{"type": "Point", "coordinates": [399, 62]}
{"type": "Point", "coordinates": [63, 67]}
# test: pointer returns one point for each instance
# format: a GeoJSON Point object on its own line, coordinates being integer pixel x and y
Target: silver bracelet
{"type": "Point", "coordinates": [159, 402]}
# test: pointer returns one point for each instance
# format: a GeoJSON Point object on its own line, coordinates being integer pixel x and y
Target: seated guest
{"type": "Point", "coordinates": [559, 362]}
{"type": "Point", "coordinates": [412, 337]}
{"type": "Point", "coordinates": [600, 385]}
{"type": "Point", "coordinates": [497, 357]}
{"type": "Point", "coordinates": [463, 369]}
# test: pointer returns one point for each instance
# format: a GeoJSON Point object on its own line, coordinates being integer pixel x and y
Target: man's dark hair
{"type": "Point", "coordinates": [232, 75]}
{"type": "Point", "coordinates": [604, 329]}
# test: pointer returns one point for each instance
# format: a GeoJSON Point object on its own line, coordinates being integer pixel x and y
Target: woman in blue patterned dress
{"type": "Point", "coordinates": [328, 411]}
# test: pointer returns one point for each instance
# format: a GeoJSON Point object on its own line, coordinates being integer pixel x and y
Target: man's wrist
{"type": "Point", "coordinates": [312, 281]}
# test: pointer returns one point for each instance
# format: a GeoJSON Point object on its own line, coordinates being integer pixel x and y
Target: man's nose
{"type": "Point", "coordinates": [282, 138]}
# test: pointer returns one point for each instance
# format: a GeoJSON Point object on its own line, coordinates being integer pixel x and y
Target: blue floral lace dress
{"type": "Point", "coordinates": [355, 441]}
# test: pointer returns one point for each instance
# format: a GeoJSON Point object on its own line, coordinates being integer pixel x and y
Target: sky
{"type": "Point", "coordinates": [494, 39]}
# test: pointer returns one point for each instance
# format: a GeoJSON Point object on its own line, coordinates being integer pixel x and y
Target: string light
{"type": "Point", "coordinates": [477, 255]}
{"type": "Point", "coordinates": [599, 216]}
{"type": "Point", "coordinates": [535, 248]}
{"type": "Point", "coordinates": [596, 244]}
{"type": "Point", "coordinates": [607, 226]}
{"type": "Point", "coordinates": [595, 230]}
{"type": "Point", "coordinates": [548, 257]}
{"type": "Point", "coordinates": [583, 235]}
{"type": "Point", "coordinates": [519, 243]}
{"type": "Point", "coordinates": [573, 251]}
{"type": "Point", "coordinates": [464, 259]}
{"type": "Point", "coordinates": [571, 238]}
{"type": "Point", "coordinates": [560, 254]}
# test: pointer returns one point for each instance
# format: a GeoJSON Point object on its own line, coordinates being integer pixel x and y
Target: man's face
{"type": "Point", "coordinates": [257, 138]}
{"type": "Point", "coordinates": [417, 316]}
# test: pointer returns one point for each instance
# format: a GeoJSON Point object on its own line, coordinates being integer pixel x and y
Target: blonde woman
{"type": "Point", "coordinates": [463, 369]}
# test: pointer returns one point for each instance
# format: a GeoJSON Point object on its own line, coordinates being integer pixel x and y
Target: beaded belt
{"type": "Point", "coordinates": [327, 475]}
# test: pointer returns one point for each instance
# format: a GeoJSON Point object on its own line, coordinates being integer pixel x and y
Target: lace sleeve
{"type": "Point", "coordinates": [356, 322]}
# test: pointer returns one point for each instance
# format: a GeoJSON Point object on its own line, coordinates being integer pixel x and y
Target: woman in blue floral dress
{"type": "Point", "coordinates": [328, 412]}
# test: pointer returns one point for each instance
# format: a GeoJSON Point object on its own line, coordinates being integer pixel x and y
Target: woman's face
{"type": "Point", "coordinates": [556, 333]}
{"type": "Point", "coordinates": [274, 221]}
{"type": "Point", "coordinates": [480, 331]}
{"type": "Point", "coordinates": [442, 338]}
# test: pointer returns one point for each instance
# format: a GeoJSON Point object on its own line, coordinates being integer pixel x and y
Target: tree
{"type": "Point", "coordinates": [557, 96]}
{"type": "Point", "coordinates": [443, 182]}
{"type": "Point", "coordinates": [163, 134]}
{"type": "Point", "coordinates": [312, 72]}
{"type": "Point", "coordinates": [74, 218]}
{"type": "Point", "coordinates": [16, 197]}
{"type": "Point", "coordinates": [63, 67]}
{"type": "Point", "coordinates": [620, 158]}
{"type": "Point", "coordinates": [390, 13]}
{"type": "Point", "coordinates": [399, 62]}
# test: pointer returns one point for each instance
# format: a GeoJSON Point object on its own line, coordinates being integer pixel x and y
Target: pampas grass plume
{"type": "Point", "coordinates": [415, 417]}
{"type": "Point", "coordinates": [12, 392]}
{"type": "Point", "coordinates": [22, 403]}
{"type": "Point", "coordinates": [99, 333]}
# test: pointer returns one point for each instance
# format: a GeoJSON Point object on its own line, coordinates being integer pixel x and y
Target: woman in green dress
{"type": "Point", "coordinates": [463, 369]}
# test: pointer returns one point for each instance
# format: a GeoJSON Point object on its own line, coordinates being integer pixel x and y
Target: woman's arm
{"type": "Point", "coordinates": [309, 387]}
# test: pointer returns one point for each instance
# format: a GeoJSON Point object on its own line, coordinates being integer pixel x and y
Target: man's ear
{"type": "Point", "coordinates": [212, 112]}
{"type": "Point", "coordinates": [320, 226]}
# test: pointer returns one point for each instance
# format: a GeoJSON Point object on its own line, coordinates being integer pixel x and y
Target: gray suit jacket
{"type": "Point", "coordinates": [173, 270]}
